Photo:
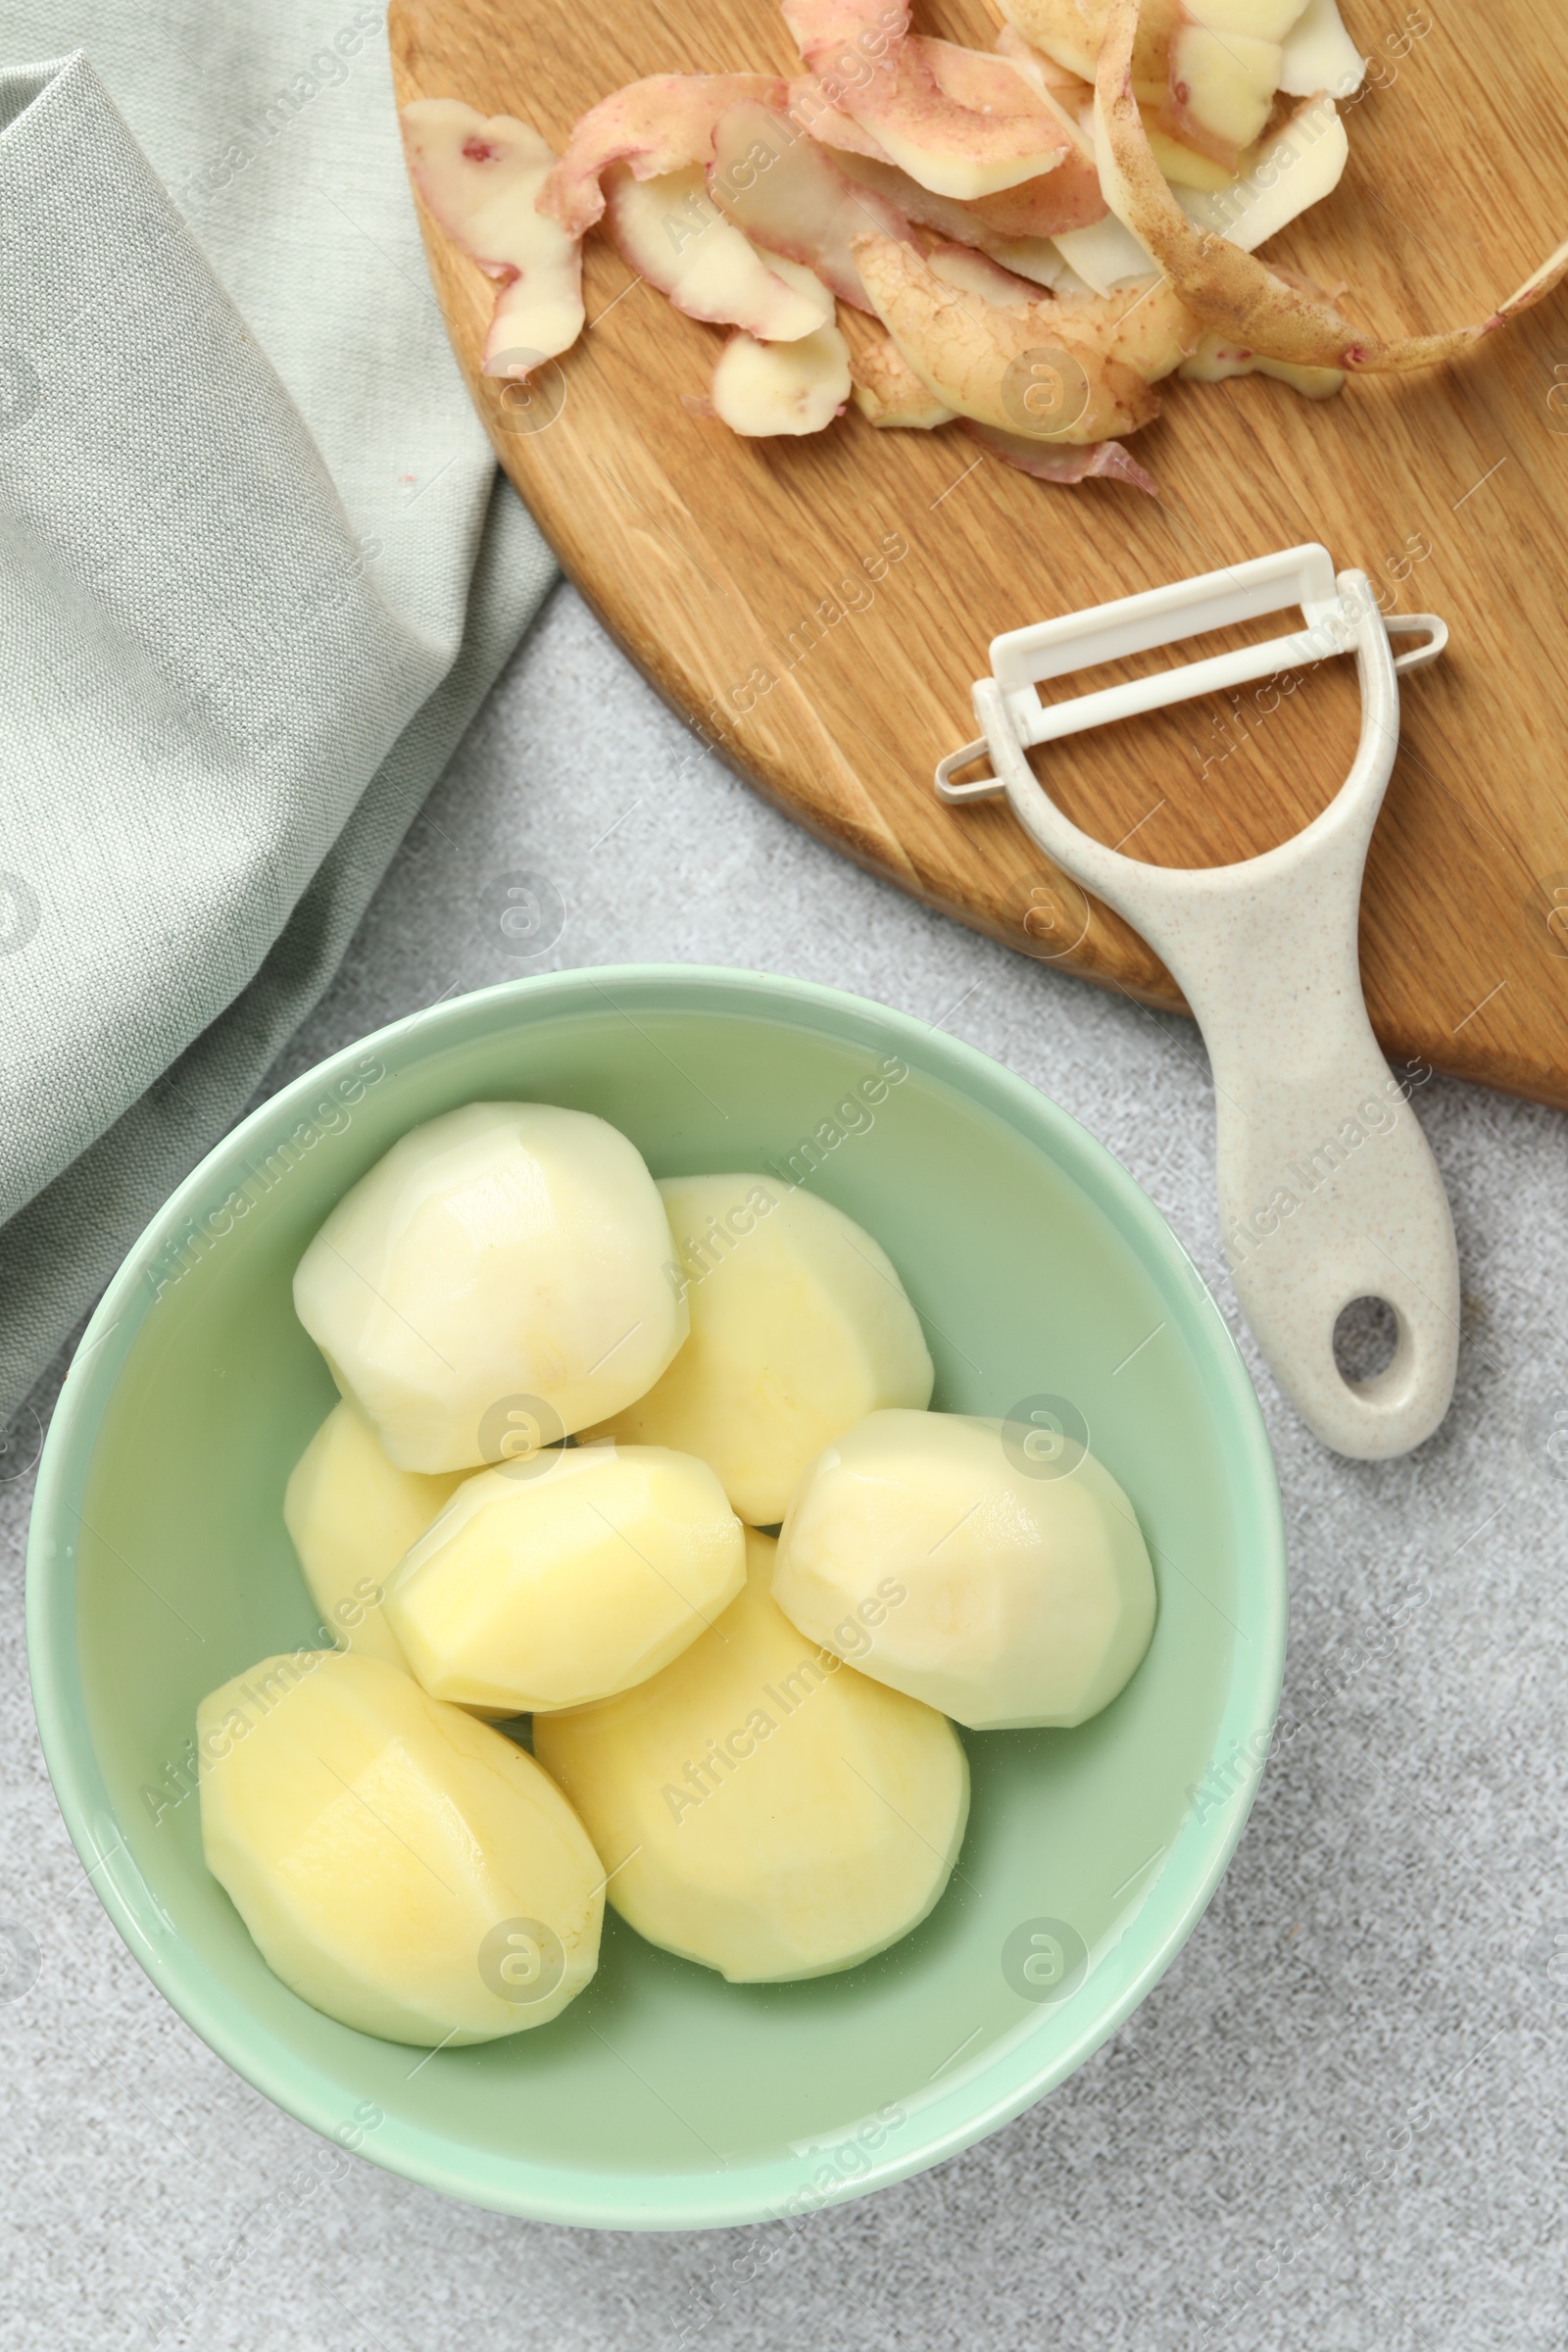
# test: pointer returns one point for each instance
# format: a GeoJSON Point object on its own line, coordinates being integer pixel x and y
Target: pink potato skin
{"type": "Point", "coordinates": [477, 177]}
{"type": "Point", "coordinates": [665, 124]}
{"type": "Point", "coordinates": [1105, 461]}
{"type": "Point", "coordinates": [787, 193]}
{"type": "Point", "coordinates": [1068, 196]}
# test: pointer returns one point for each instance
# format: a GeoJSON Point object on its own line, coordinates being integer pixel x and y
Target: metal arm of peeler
{"type": "Point", "coordinates": [1328, 1191]}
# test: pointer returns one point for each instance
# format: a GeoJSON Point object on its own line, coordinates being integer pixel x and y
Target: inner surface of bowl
{"type": "Point", "coordinates": [664, 2096]}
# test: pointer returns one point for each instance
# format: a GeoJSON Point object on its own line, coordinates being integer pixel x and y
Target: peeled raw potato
{"type": "Point", "coordinates": [800, 1327]}
{"type": "Point", "coordinates": [760, 1807]}
{"type": "Point", "coordinates": [403, 1868]}
{"type": "Point", "coordinates": [503, 1273]}
{"type": "Point", "coordinates": [351, 1516]}
{"type": "Point", "coordinates": [575, 1578]}
{"type": "Point", "coordinates": [945, 1563]}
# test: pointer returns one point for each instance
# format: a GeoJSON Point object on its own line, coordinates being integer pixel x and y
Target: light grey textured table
{"type": "Point", "coordinates": [1337, 2124]}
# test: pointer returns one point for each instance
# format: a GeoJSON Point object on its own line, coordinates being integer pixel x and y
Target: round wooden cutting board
{"type": "Point", "coordinates": [817, 609]}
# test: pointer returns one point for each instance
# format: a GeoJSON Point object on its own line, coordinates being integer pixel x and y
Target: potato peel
{"type": "Point", "coordinates": [888, 393]}
{"type": "Point", "coordinates": [1011, 153]}
{"type": "Point", "coordinates": [668, 231]}
{"type": "Point", "coordinates": [479, 177]}
{"type": "Point", "coordinates": [1232, 291]}
{"type": "Point", "coordinates": [961, 122]}
{"type": "Point", "coordinates": [789, 195]}
{"type": "Point", "coordinates": [662, 125]}
{"type": "Point", "coordinates": [1068, 88]}
{"type": "Point", "coordinates": [1057, 202]}
{"type": "Point", "coordinates": [859, 29]}
{"type": "Point", "coordinates": [1075, 371]}
{"type": "Point", "coordinates": [1046, 462]}
{"type": "Point", "coordinates": [965, 122]}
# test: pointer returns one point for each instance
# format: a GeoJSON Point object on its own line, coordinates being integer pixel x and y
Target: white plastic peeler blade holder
{"type": "Point", "coordinates": [1328, 1192]}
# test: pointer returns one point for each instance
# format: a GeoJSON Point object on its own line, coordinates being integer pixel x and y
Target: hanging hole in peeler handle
{"type": "Point", "coordinates": [1366, 1337]}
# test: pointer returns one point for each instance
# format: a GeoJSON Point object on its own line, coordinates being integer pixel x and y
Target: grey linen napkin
{"type": "Point", "coordinates": [257, 570]}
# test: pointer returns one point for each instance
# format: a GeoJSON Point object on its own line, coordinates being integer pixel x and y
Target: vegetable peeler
{"type": "Point", "coordinates": [1328, 1191]}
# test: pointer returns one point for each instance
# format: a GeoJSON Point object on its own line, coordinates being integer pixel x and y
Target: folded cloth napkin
{"type": "Point", "coordinates": [257, 569]}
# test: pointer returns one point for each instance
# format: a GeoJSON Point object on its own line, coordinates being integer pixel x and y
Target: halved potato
{"type": "Point", "coordinates": [351, 1515]}
{"type": "Point", "coordinates": [955, 1559]}
{"type": "Point", "coordinates": [403, 1868]}
{"type": "Point", "coordinates": [505, 1267]}
{"type": "Point", "coordinates": [760, 1807]}
{"type": "Point", "coordinates": [571, 1578]}
{"type": "Point", "coordinates": [800, 1326]}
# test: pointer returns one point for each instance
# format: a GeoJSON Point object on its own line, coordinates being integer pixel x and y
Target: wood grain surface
{"type": "Point", "coordinates": [816, 610]}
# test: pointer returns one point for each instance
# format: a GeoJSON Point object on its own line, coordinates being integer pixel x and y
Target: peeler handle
{"type": "Point", "coordinates": [1328, 1191]}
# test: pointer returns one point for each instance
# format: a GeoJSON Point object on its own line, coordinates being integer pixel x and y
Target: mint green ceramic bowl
{"type": "Point", "coordinates": [665, 2098]}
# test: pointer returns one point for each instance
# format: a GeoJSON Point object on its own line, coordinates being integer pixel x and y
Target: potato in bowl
{"type": "Point", "coordinates": [664, 2098]}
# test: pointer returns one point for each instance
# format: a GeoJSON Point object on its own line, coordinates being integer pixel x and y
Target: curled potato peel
{"type": "Point", "coordinates": [1232, 291]}
{"type": "Point", "coordinates": [661, 123]}
{"type": "Point", "coordinates": [1078, 371]}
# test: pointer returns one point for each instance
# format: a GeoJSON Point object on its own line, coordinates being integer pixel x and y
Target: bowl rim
{"type": "Point", "coordinates": [752, 2191]}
